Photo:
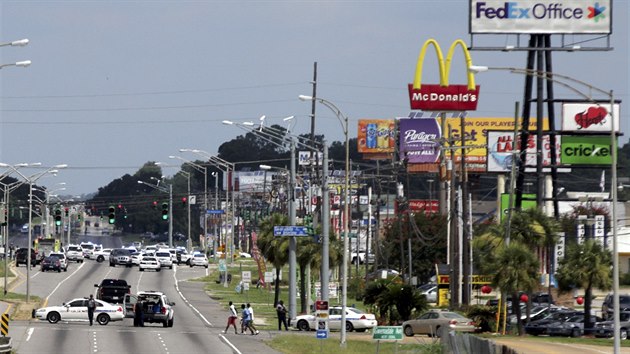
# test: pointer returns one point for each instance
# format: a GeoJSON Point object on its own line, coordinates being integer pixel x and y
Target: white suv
{"type": "Point", "coordinates": [88, 249]}
{"type": "Point", "coordinates": [74, 253]}
{"type": "Point", "coordinates": [164, 257]}
{"type": "Point", "coordinates": [157, 308]}
{"type": "Point", "coordinates": [62, 259]}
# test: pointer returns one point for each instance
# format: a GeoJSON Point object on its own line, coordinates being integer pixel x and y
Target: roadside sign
{"type": "Point", "coordinates": [321, 316]}
{"type": "Point", "coordinates": [268, 277]}
{"type": "Point", "coordinates": [387, 333]}
{"type": "Point", "coordinates": [214, 211]}
{"type": "Point", "coordinates": [246, 276]}
{"type": "Point", "coordinates": [280, 231]}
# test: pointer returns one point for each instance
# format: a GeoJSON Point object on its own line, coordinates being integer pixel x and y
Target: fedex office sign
{"type": "Point", "coordinates": [512, 10]}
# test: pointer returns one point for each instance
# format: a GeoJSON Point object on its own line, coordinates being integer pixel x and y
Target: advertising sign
{"type": "Point", "coordinates": [321, 316]}
{"type": "Point", "coordinates": [536, 16]}
{"type": "Point", "coordinates": [500, 149]}
{"type": "Point", "coordinates": [526, 203]}
{"type": "Point", "coordinates": [376, 136]}
{"type": "Point", "coordinates": [589, 117]}
{"type": "Point", "coordinates": [428, 206]}
{"type": "Point", "coordinates": [419, 140]}
{"type": "Point", "coordinates": [443, 97]}
{"type": "Point", "coordinates": [304, 158]}
{"type": "Point", "coordinates": [586, 150]}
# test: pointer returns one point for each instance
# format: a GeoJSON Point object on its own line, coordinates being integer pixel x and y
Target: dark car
{"type": "Point", "coordinates": [21, 256]}
{"type": "Point", "coordinates": [605, 329]}
{"type": "Point", "coordinates": [539, 327]}
{"type": "Point", "coordinates": [112, 290]}
{"type": "Point", "coordinates": [572, 327]}
{"type": "Point", "coordinates": [51, 263]}
{"type": "Point", "coordinates": [608, 308]}
{"type": "Point", "coordinates": [120, 256]}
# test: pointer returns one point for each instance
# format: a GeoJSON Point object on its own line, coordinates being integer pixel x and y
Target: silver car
{"type": "Point", "coordinates": [431, 323]}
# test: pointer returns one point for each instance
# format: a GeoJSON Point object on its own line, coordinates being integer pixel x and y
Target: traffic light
{"type": "Point", "coordinates": [184, 200]}
{"type": "Point", "coordinates": [67, 211]}
{"type": "Point", "coordinates": [155, 204]}
{"type": "Point", "coordinates": [112, 214]}
{"type": "Point", "coordinates": [58, 217]}
{"type": "Point", "coordinates": [164, 211]}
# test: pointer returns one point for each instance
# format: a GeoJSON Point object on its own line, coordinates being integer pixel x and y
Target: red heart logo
{"type": "Point", "coordinates": [593, 115]}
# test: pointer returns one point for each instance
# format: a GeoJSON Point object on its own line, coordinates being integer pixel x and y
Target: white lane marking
{"type": "Point", "coordinates": [29, 333]}
{"type": "Point", "coordinates": [199, 313]}
{"type": "Point", "coordinates": [94, 341]}
{"type": "Point", "coordinates": [61, 282]}
{"type": "Point", "coordinates": [139, 279]}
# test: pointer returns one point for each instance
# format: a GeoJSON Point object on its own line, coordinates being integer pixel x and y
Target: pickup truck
{"type": "Point", "coordinates": [156, 306]}
{"type": "Point", "coordinates": [112, 290]}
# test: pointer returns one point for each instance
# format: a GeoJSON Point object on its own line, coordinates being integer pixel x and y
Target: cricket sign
{"type": "Point", "coordinates": [443, 97]}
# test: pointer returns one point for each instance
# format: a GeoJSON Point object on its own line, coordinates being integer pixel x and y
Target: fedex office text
{"type": "Point", "coordinates": [540, 11]}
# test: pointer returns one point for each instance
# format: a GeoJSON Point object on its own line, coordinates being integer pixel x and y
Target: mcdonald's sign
{"type": "Point", "coordinates": [443, 97]}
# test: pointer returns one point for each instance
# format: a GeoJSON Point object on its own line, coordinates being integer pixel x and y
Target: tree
{"type": "Point", "coordinates": [585, 265]}
{"type": "Point", "coordinates": [274, 249]}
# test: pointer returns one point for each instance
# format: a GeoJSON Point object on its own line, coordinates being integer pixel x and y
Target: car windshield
{"type": "Point", "coordinates": [163, 254]}
{"type": "Point", "coordinates": [88, 246]}
{"type": "Point", "coordinates": [199, 255]}
{"type": "Point", "coordinates": [114, 282]}
{"type": "Point", "coordinates": [356, 311]}
{"type": "Point", "coordinates": [74, 248]}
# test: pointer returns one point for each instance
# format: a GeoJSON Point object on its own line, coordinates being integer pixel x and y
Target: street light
{"type": "Point", "coordinates": [567, 83]}
{"type": "Point", "coordinates": [343, 119]}
{"type": "Point", "coordinates": [30, 180]}
{"type": "Point", "coordinates": [203, 169]}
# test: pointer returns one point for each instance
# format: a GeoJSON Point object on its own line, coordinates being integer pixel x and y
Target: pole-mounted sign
{"type": "Point", "coordinates": [443, 97]}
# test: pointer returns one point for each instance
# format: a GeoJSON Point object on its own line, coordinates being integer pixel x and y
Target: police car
{"type": "Point", "coordinates": [355, 320]}
{"type": "Point", "coordinates": [76, 310]}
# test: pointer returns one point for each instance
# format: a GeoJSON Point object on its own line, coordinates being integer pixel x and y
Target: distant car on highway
{"type": "Point", "coordinates": [76, 310]}
{"type": "Point", "coordinates": [198, 259]}
{"type": "Point", "coordinates": [74, 253]}
{"type": "Point", "coordinates": [51, 263]}
{"type": "Point", "coordinates": [149, 262]}
{"type": "Point", "coordinates": [62, 260]}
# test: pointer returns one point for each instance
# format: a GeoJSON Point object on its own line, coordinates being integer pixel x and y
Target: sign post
{"type": "Point", "coordinates": [321, 317]}
{"type": "Point", "coordinates": [387, 333]}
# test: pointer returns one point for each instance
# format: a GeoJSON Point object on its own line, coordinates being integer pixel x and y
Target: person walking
{"type": "Point", "coordinates": [251, 315]}
{"type": "Point", "coordinates": [282, 316]}
{"type": "Point", "coordinates": [232, 316]}
{"type": "Point", "coordinates": [246, 319]}
{"type": "Point", "coordinates": [91, 306]}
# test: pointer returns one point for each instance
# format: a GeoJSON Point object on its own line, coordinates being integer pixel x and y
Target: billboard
{"type": "Point", "coordinates": [304, 158]}
{"type": "Point", "coordinates": [429, 206]}
{"type": "Point", "coordinates": [443, 97]}
{"type": "Point", "coordinates": [589, 117]}
{"type": "Point", "coordinates": [536, 16]}
{"type": "Point", "coordinates": [528, 202]}
{"type": "Point", "coordinates": [586, 150]}
{"type": "Point", "coordinates": [419, 140]}
{"type": "Point", "coordinates": [500, 145]}
{"type": "Point", "coordinates": [376, 136]}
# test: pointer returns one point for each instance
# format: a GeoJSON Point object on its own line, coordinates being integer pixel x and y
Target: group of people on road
{"type": "Point", "coordinates": [247, 319]}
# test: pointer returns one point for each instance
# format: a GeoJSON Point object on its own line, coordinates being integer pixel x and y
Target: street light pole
{"type": "Point", "coordinates": [558, 78]}
{"type": "Point", "coordinates": [343, 119]}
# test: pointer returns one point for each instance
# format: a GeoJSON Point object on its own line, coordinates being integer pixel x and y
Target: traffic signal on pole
{"type": "Point", "coordinates": [58, 217]}
{"type": "Point", "coordinates": [112, 214]}
{"type": "Point", "coordinates": [67, 211]}
{"type": "Point", "coordinates": [184, 200]}
{"type": "Point", "coordinates": [155, 204]}
{"type": "Point", "coordinates": [164, 211]}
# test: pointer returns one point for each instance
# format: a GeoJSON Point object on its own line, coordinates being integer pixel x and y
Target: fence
{"type": "Point", "coordinates": [464, 343]}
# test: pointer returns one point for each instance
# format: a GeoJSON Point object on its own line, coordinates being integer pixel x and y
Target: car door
{"type": "Point", "coordinates": [423, 324]}
{"type": "Point", "coordinates": [76, 310]}
{"type": "Point", "coordinates": [334, 318]}
{"type": "Point", "coordinates": [130, 302]}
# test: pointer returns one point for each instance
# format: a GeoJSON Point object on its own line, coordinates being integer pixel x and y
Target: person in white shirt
{"type": "Point", "coordinates": [232, 316]}
{"type": "Point", "coordinates": [251, 315]}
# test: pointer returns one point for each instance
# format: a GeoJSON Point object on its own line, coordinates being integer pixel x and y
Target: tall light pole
{"type": "Point", "coordinates": [204, 170]}
{"type": "Point", "coordinates": [187, 174]}
{"type": "Point", "coordinates": [343, 119]}
{"type": "Point", "coordinates": [568, 82]}
{"type": "Point", "coordinates": [216, 207]}
{"type": "Point", "coordinates": [31, 180]}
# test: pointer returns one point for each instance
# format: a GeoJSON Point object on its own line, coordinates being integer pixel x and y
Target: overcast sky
{"type": "Point", "coordinates": [115, 84]}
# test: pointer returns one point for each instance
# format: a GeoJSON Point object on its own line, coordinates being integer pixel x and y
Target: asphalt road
{"type": "Point", "coordinates": [197, 326]}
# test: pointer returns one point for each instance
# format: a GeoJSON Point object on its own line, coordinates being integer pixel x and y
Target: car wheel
{"type": "Point", "coordinates": [191, 266]}
{"type": "Point", "coordinates": [65, 269]}
{"type": "Point", "coordinates": [408, 331]}
{"type": "Point", "coordinates": [302, 325]}
{"type": "Point", "coordinates": [361, 330]}
{"type": "Point", "coordinates": [188, 262]}
{"type": "Point", "coordinates": [171, 267]}
{"type": "Point", "coordinates": [575, 332]}
{"type": "Point", "coordinates": [349, 326]}
{"type": "Point", "coordinates": [206, 266]}
{"type": "Point", "coordinates": [165, 323]}
{"type": "Point", "coordinates": [53, 317]}
{"type": "Point", "coordinates": [102, 319]}
{"type": "Point", "coordinates": [141, 269]}
{"type": "Point", "coordinates": [112, 264]}
{"type": "Point", "coordinates": [100, 259]}
{"type": "Point", "coordinates": [170, 322]}
{"type": "Point", "coordinates": [437, 332]}
{"type": "Point", "coordinates": [59, 270]}
{"type": "Point", "coordinates": [623, 334]}
{"type": "Point", "coordinates": [159, 269]}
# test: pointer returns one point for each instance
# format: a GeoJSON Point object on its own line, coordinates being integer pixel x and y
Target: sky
{"type": "Point", "coordinates": [114, 84]}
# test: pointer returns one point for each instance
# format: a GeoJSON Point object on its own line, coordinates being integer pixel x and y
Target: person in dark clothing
{"type": "Point", "coordinates": [91, 306]}
{"type": "Point", "coordinates": [282, 316]}
{"type": "Point", "coordinates": [138, 318]}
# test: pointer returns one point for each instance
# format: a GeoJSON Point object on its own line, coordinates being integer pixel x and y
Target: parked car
{"type": "Point", "coordinates": [539, 327]}
{"type": "Point", "coordinates": [606, 329]}
{"type": "Point", "coordinates": [51, 263]}
{"type": "Point", "coordinates": [198, 259]}
{"type": "Point", "coordinates": [149, 262]}
{"type": "Point", "coordinates": [431, 322]}
{"type": "Point", "coordinates": [62, 260]}
{"type": "Point", "coordinates": [378, 274]}
{"type": "Point", "coordinates": [355, 320]}
{"type": "Point", "coordinates": [112, 290]}
{"type": "Point", "coordinates": [608, 308]}
{"type": "Point", "coordinates": [76, 310]}
{"type": "Point", "coordinates": [573, 327]}
{"type": "Point", "coordinates": [21, 257]}
{"type": "Point", "coordinates": [157, 308]}
{"type": "Point", "coordinates": [430, 291]}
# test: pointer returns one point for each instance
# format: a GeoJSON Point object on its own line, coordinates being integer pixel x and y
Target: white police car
{"type": "Point", "coordinates": [76, 310]}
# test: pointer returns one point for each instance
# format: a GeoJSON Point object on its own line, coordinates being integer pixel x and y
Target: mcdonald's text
{"type": "Point", "coordinates": [443, 98]}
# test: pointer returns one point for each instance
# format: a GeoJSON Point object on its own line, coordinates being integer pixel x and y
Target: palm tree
{"type": "Point", "coordinates": [274, 249]}
{"type": "Point", "coordinates": [585, 265]}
